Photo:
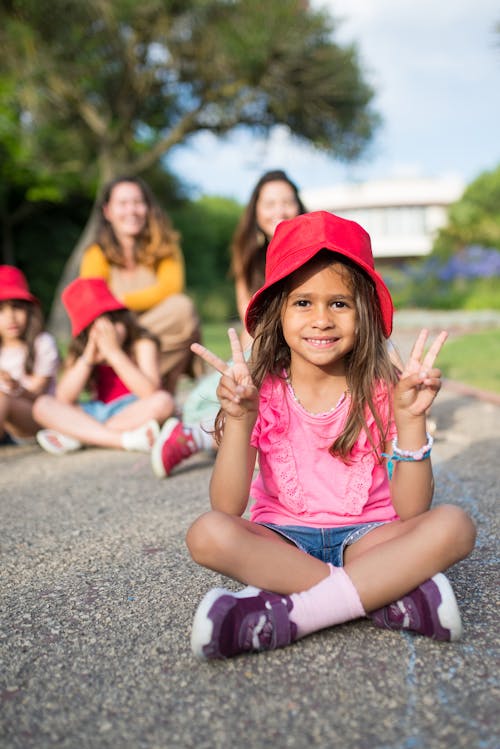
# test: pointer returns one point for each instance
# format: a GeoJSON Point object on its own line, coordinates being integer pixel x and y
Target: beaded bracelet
{"type": "Point", "coordinates": [407, 456]}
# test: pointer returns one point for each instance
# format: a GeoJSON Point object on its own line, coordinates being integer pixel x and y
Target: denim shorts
{"type": "Point", "coordinates": [101, 411]}
{"type": "Point", "coordinates": [326, 544]}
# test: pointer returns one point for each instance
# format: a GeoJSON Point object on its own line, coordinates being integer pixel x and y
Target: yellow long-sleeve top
{"type": "Point", "coordinates": [169, 278]}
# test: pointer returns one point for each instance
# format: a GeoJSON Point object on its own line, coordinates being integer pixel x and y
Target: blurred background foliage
{"type": "Point", "coordinates": [106, 87]}
{"type": "Point", "coordinates": [463, 269]}
{"type": "Point", "coordinates": [90, 91]}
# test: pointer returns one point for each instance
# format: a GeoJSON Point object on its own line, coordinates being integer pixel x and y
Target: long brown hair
{"type": "Point", "coordinates": [33, 328]}
{"type": "Point", "coordinates": [157, 240]}
{"type": "Point", "coordinates": [366, 365]}
{"type": "Point", "coordinates": [249, 243]}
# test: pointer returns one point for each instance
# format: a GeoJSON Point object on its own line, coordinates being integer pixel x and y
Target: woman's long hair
{"type": "Point", "coordinates": [366, 365]}
{"type": "Point", "coordinates": [33, 328]}
{"type": "Point", "coordinates": [249, 243]}
{"type": "Point", "coordinates": [157, 240]}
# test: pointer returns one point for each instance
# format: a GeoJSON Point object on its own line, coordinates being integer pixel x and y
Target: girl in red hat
{"type": "Point", "coordinates": [341, 524]}
{"type": "Point", "coordinates": [28, 356]}
{"type": "Point", "coordinates": [116, 359]}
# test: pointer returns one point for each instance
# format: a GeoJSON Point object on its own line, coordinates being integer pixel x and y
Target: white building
{"type": "Point", "coordinates": [402, 216]}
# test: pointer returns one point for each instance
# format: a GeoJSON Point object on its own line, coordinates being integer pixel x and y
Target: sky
{"type": "Point", "coordinates": [435, 67]}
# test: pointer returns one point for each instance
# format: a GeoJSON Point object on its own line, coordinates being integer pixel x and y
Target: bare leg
{"type": "Point", "coordinates": [252, 554]}
{"type": "Point", "coordinates": [74, 422]}
{"type": "Point", "coordinates": [398, 557]}
{"type": "Point", "coordinates": [158, 406]}
{"type": "Point", "coordinates": [384, 565]}
{"type": "Point", "coordinates": [16, 416]}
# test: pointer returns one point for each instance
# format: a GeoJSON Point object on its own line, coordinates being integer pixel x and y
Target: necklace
{"type": "Point", "coordinates": [313, 413]}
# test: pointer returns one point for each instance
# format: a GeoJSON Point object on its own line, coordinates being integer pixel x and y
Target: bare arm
{"type": "Point", "coordinates": [412, 485]}
{"type": "Point", "coordinates": [243, 296]}
{"type": "Point", "coordinates": [31, 387]}
{"type": "Point", "coordinates": [74, 379]}
{"type": "Point", "coordinates": [234, 466]}
{"type": "Point", "coordinates": [238, 396]}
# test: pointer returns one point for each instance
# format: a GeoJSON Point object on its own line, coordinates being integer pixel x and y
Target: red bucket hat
{"type": "Point", "coordinates": [13, 285]}
{"type": "Point", "coordinates": [297, 240]}
{"type": "Point", "coordinates": [85, 299]}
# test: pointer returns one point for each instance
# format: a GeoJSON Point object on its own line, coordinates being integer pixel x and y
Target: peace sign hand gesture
{"type": "Point", "coordinates": [236, 391]}
{"type": "Point", "coordinates": [420, 382]}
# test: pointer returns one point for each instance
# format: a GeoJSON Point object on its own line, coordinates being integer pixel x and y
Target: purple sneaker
{"type": "Point", "coordinates": [430, 609]}
{"type": "Point", "coordinates": [226, 623]}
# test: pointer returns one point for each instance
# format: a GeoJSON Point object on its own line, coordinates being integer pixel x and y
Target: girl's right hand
{"type": "Point", "coordinates": [236, 391]}
{"type": "Point", "coordinates": [91, 353]}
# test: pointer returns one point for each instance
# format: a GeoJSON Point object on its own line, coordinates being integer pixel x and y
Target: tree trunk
{"type": "Point", "coordinates": [58, 323]}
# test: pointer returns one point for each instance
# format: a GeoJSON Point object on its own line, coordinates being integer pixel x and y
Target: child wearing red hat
{"type": "Point", "coordinates": [116, 359]}
{"type": "Point", "coordinates": [28, 356]}
{"type": "Point", "coordinates": [341, 524]}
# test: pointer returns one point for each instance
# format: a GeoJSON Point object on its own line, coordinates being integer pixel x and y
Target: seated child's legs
{"type": "Point", "coordinates": [158, 406]}
{"type": "Point", "coordinates": [395, 558]}
{"type": "Point", "coordinates": [252, 554]}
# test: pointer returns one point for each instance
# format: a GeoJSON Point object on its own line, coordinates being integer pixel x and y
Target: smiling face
{"type": "Point", "coordinates": [275, 203]}
{"type": "Point", "coordinates": [319, 317]}
{"type": "Point", "coordinates": [13, 321]}
{"type": "Point", "coordinates": [126, 210]}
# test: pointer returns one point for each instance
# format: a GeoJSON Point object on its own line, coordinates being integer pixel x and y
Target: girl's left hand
{"type": "Point", "coordinates": [105, 336]}
{"type": "Point", "coordinates": [8, 384]}
{"type": "Point", "coordinates": [420, 382]}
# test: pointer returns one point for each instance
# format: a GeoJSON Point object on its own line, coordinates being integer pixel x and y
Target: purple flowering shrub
{"type": "Point", "coordinates": [474, 261]}
{"type": "Point", "coordinates": [469, 279]}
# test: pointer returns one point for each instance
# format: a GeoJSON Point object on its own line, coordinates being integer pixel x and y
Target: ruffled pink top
{"type": "Point", "coordinates": [299, 481]}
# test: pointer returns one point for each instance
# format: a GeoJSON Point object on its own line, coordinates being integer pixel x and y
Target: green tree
{"type": "Point", "coordinates": [474, 219]}
{"type": "Point", "coordinates": [115, 84]}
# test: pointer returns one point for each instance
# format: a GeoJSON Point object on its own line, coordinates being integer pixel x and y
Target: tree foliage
{"type": "Point", "coordinates": [123, 82]}
{"type": "Point", "coordinates": [474, 219]}
{"type": "Point", "coordinates": [91, 90]}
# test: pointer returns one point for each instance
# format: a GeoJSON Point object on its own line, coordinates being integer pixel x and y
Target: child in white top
{"type": "Point", "coordinates": [331, 420]}
{"type": "Point", "coordinates": [28, 356]}
{"type": "Point", "coordinates": [116, 359]}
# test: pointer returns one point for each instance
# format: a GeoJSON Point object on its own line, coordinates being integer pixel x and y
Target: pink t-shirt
{"type": "Point", "coordinates": [46, 361]}
{"type": "Point", "coordinates": [299, 481]}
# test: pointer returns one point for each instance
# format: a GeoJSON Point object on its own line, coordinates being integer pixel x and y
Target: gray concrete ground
{"type": "Point", "coordinates": [98, 593]}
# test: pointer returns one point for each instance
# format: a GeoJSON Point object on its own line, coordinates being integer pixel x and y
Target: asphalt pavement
{"type": "Point", "coordinates": [97, 594]}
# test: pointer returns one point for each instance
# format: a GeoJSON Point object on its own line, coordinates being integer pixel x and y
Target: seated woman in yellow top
{"type": "Point", "coordinates": [137, 252]}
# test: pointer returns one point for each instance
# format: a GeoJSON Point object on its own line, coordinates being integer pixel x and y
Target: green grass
{"type": "Point", "coordinates": [473, 359]}
{"type": "Point", "coordinates": [215, 337]}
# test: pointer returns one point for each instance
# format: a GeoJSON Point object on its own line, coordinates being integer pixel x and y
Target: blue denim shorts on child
{"type": "Point", "coordinates": [101, 411]}
{"type": "Point", "coordinates": [326, 544]}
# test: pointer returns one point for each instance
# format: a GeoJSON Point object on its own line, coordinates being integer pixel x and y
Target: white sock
{"type": "Point", "coordinates": [141, 439]}
{"type": "Point", "coordinates": [202, 439]}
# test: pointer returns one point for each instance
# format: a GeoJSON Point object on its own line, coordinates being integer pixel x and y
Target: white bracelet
{"type": "Point", "coordinates": [407, 456]}
{"type": "Point", "coordinates": [419, 454]}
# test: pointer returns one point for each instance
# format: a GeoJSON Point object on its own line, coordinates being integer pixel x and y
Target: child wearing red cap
{"type": "Point", "coordinates": [341, 524]}
{"type": "Point", "coordinates": [28, 356]}
{"type": "Point", "coordinates": [119, 361]}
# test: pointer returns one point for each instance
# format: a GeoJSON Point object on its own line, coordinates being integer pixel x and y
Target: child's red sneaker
{"type": "Point", "coordinates": [174, 444]}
